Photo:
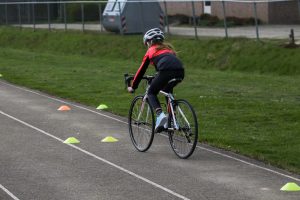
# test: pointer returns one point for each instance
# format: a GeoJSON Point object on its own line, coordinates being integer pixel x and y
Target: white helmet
{"type": "Point", "coordinates": [153, 34]}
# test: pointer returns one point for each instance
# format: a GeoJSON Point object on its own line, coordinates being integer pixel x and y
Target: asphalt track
{"type": "Point", "coordinates": [36, 164]}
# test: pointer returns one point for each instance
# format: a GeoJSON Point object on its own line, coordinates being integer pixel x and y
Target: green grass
{"type": "Point", "coordinates": [268, 57]}
{"type": "Point", "coordinates": [247, 106]}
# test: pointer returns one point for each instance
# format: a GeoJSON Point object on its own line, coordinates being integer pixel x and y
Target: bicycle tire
{"type": "Point", "coordinates": [184, 140]}
{"type": "Point", "coordinates": [141, 129]}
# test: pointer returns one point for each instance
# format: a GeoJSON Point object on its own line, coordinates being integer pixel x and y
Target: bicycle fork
{"type": "Point", "coordinates": [142, 109]}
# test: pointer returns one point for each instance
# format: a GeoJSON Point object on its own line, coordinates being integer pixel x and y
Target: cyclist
{"type": "Point", "coordinates": [168, 66]}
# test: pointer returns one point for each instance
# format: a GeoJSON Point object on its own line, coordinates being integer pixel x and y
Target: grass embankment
{"type": "Point", "coordinates": [248, 107]}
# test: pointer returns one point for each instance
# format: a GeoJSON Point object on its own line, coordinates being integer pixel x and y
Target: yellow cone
{"type": "Point", "coordinates": [290, 187]}
{"type": "Point", "coordinates": [71, 140]}
{"type": "Point", "coordinates": [102, 107]}
{"type": "Point", "coordinates": [109, 139]}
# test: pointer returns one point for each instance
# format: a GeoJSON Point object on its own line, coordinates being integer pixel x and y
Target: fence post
{"type": "Point", "coordinates": [120, 19]}
{"type": "Point", "coordinates": [194, 19]}
{"type": "Point", "coordinates": [48, 10]}
{"type": "Point", "coordinates": [6, 17]}
{"type": "Point", "coordinates": [65, 16]}
{"type": "Point", "coordinates": [166, 17]}
{"type": "Point", "coordinates": [61, 11]}
{"type": "Point", "coordinates": [100, 17]}
{"type": "Point", "coordinates": [142, 17]}
{"type": "Point", "coordinates": [28, 13]}
{"type": "Point", "coordinates": [299, 7]}
{"type": "Point", "coordinates": [256, 23]}
{"type": "Point", "coordinates": [82, 16]}
{"type": "Point", "coordinates": [225, 21]}
{"type": "Point", "coordinates": [33, 17]}
{"type": "Point", "coordinates": [19, 15]}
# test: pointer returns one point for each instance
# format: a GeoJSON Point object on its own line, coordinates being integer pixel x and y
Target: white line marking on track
{"type": "Point", "coordinates": [8, 192]}
{"type": "Point", "coordinates": [99, 158]}
{"type": "Point", "coordinates": [248, 163]}
{"type": "Point", "coordinates": [113, 118]}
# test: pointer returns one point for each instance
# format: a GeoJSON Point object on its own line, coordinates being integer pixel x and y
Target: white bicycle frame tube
{"type": "Point", "coordinates": [173, 116]}
{"type": "Point", "coordinates": [142, 108]}
{"type": "Point", "coordinates": [148, 112]}
{"type": "Point", "coordinates": [170, 98]}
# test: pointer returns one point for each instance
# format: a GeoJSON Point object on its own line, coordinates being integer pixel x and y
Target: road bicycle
{"type": "Point", "coordinates": [181, 127]}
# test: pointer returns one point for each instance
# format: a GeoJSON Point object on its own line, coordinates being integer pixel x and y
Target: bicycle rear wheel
{"type": "Point", "coordinates": [184, 140]}
{"type": "Point", "coordinates": [141, 124]}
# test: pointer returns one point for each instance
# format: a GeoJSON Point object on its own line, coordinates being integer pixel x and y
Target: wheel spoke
{"type": "Point", "coordinates": [141, 123]}
{"type": "Point", "coordinates": [184, 139]}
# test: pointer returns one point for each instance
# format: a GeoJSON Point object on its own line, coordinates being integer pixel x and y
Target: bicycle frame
{"type": "Point", "coordinates": [170, 99]}
{"type": "Point", "coordinates": [170, 103]}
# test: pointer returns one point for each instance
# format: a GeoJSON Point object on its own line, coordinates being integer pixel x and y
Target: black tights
{"type": "Point", "coordinates": [160, 82]}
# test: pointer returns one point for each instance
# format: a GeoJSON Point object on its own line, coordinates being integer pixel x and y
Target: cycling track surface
{"type": "Point", "coordinates": [36, 164]}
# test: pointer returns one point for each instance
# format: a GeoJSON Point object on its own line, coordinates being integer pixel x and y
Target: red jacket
{"type": "Point", "coordinates": [156, 58]}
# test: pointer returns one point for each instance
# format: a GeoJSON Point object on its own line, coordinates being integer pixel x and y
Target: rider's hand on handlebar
{"type": "Point", "coordinates": [130, 90]}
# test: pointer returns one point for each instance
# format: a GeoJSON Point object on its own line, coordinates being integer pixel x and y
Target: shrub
{"type": "Point", "coordinates": [91, 12]}
{"type": "Point", "coordinates": [236, 21]}
{"type": "Point", "coordinates": [211, 20]}
{"type": "Point", "coordinates": [208, 20]}
{"type": "Point", "coordinates": [178, 19]}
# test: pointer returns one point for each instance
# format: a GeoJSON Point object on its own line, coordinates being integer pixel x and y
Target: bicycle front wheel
{"type": "Point", "coordinates": [184, 137]}
{"type": "Point", "coordinates": [141, 124]}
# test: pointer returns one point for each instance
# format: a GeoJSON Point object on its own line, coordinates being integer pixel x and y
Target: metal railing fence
{"type": "Point", "coordinates": [228, 18]}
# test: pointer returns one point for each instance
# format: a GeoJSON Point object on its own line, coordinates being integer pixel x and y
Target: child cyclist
{"type": "Point", "coordinates": [168, 66]}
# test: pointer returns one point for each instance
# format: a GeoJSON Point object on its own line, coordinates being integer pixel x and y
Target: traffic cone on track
{"type": "Point", "coordinates": [64, 108]}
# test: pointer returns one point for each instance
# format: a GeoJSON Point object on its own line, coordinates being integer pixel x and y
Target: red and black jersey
{"type": "Point", "coordinates": [163, 60]}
